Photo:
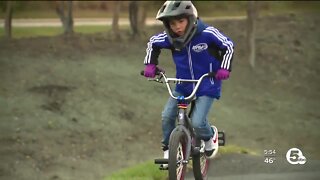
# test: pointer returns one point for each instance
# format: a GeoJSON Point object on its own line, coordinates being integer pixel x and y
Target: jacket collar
{"type": "Point", "coordinates": [201, 26]}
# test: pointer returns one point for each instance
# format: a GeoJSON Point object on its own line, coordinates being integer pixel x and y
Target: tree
{"type": "Point", "coordinates": [8, 20]}
{"type": "Point", "coordinates": [137, 17]}
{"type": "Point", "coordinates": [65, 17]}
{"type": "Point", "coordinates": [252, 14]}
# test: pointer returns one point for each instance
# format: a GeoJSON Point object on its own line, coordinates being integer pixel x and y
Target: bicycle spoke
{"type": "Point", "coordinates": [203, 162]}
{"type": "Point", "coordinates": [180, 158]}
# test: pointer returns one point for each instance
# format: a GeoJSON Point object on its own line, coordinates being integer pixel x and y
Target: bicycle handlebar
{"type": "Point", "coordinates": [176, 80]}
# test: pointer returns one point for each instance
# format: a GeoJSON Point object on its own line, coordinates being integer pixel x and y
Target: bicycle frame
{"type": "Point", "coordinates": [183, 135]}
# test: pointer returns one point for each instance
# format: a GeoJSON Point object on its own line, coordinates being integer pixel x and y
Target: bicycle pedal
{"type": "Point", "coordinates": [195, 151]}
{"type": "Point", "coordinates": [161, 161]}
{"type": "Point", "coordinates": [221, 138]}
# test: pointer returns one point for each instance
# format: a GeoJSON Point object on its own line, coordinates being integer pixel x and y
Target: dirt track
{"type": "Point", "coordinates": [250, 167]}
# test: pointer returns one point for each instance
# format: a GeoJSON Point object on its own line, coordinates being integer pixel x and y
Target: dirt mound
{"type": "Point", "coordinates": [55, 95]}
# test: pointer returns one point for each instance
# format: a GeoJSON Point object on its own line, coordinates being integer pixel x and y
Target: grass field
{"type": "Point", "coordinates": [23, 32]}
{"type": "Point", "coordinates": [77, 108]}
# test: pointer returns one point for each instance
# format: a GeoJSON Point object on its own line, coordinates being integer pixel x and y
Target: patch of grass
{"type": "Point", "coordinates": [50, 13]}
{"type": "Point", "coordinates": [22, 32]}
{"type": "Point", "coordinates": [144, 171]}
{"type": "Point", "coordinates": [236, 149]}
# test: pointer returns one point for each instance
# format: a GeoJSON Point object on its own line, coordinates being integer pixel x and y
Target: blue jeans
{"type": "Point", "coordinates": [199, 118]}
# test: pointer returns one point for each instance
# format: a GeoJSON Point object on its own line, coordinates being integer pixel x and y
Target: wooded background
{"type": "Point", "coordinates": [137, 12]}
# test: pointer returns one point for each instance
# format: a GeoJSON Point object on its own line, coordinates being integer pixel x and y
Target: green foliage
{"type": "Point", "coordinates": [24, 5]}
{"type": "Point", "coordinates": [20, 32]}
{"type": "Point", "coordinates": [143, 171]}
{"type": "Point", "coordinates": [2, 6]}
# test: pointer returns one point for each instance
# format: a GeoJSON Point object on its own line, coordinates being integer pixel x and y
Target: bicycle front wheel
{"type": "Point", "coordinates": [177, 153]}
{"type": "Point", "coordinates": [200, 165]}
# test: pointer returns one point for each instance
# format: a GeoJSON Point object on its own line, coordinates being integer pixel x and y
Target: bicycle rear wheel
{"type": "Point", "coordinates": [200, 164]}
{"type": "Point", "coordinates": [177, 153]}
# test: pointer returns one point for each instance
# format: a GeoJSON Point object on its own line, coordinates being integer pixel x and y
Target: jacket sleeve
{"type": "Point", "coordinates": [224, 44]}
{"type": "Point", "coordinates": [154, 46]}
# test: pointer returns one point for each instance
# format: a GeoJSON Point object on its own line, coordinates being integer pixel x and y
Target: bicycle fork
{"type": "Point", "coordinates": [181, 126]}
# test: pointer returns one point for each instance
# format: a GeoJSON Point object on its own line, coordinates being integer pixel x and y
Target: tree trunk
{"type": "Point", "coordinates": [60, 11]}
{"type": "Point", "coordinates": [142, 16]}
{"type": "Point", "coordinates": [8, 20]}
{"type": "Point", "coordinates": [133, 17]}
{"type": "Point", "coordinates": [251, 31]}
{"type": "Point", "coordinates": [66, 18]}
{"type": "Point", "coordinates": [115, 20]}
{"type": "Point", "coordinates": [69, 23]}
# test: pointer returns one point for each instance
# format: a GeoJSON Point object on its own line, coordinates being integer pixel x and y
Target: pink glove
{"type": "Point", "coordinates": [150, 70]}
{"type": "Point", "coordinates": [222, 74]}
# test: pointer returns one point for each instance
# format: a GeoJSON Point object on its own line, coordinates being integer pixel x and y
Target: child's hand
{"type": "Point", "coordinates": [150, 70]}
{"type": "Point", "coordinates": [222, 74]}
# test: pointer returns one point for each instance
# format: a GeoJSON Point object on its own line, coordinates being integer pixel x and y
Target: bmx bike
{"type": "Point", "coordinates": [184, 145]}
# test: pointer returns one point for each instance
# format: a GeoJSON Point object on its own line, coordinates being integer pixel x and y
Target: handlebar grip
{"type": "Point", "coordinates": [157, 72]}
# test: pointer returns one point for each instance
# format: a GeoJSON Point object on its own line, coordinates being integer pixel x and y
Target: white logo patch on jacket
{"type": "Point", "coordinates": [200, 47]}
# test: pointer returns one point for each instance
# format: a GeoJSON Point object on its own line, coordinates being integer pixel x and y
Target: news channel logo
{"type": "Point", "coordinates": [295, 156]}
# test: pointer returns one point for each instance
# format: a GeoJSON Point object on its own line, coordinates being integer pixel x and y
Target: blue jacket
{"type": "Point", "coordinates": [208, 51]}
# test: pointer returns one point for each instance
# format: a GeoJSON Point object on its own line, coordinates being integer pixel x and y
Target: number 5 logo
{"type": "Point", "coordinates": [295, 156]}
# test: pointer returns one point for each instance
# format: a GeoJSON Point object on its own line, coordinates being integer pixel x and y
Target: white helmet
{"type": "Point", "coordinates": [179, 9]}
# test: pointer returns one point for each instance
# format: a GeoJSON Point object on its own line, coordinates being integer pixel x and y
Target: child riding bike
{"type": "Point", "coordinates": [196, 49]}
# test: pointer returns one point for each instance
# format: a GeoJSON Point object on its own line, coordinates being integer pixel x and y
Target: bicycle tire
{"type": "Point", "coordinates": [200, 166]}
{"type": "Point", "coordinates": [177, 152]}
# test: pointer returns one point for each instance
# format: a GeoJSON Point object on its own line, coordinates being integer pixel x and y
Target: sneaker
{"type": "Point", "coordinates": [165, 156]}
{"type": "Point", "coordinates": [202, 146]}
{"type": "Point", "coordinates": [211, 146]}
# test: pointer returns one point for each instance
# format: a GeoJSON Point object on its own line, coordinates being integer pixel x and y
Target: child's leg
{"type": "Point", "coordinates": [199, 117]}
{"type": "Point", "coordinates": [169, 115]}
